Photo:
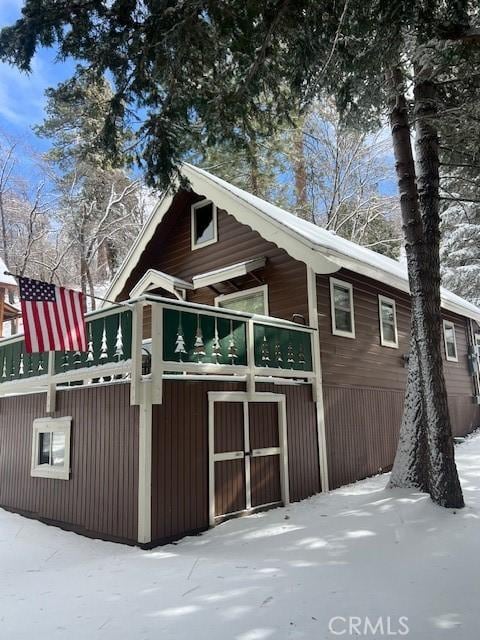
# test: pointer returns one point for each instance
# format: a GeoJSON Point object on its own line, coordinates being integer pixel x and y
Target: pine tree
{"type": "Point", "coordinates": [257, 62]}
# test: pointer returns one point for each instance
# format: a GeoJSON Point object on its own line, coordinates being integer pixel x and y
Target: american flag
{"type": "Point", "coordinates": [52, 317]}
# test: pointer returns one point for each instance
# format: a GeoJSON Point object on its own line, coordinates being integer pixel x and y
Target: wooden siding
{"type": "Point", "coordinates": [170, 251]}
{"type": "Point", "coordinates": [303, 466]}
{"type": "Point", "coordinates": [100, 498]}
{"type": "Point", "coordinates": [180, 457]}
{"type": "Point", "coordinates": [363, 361]}
{"type": "Point", "coordinates": [364, 382]}
{"type": "Point", "coordinates": [180, 452]}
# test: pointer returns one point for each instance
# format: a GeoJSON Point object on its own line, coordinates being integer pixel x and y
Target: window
{"type": "Point", "coordinates": [450, 341]}
{"type": "Point", "coordinates": [204, 224]}
{"type": "Point", "coordinates": [388, 322]}
{"type": "Point", "coordinates": [251, 300]}
{"type": "Point", "coordinates": [341, 301]}
{"type": "Point", "coordinates": [51, 448]}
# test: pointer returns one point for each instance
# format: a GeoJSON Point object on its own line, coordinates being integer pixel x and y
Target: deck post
{"type": "Point", "coordinates": [144, 535]}
{"type": "Point", "coordinates": [137, 335]}
{"type": "Point", "coordinates": [51, 386]}
{"type": "Point", "coordinates": [250, 358]}
{"type": "Point", "coordinates": [317, 384]}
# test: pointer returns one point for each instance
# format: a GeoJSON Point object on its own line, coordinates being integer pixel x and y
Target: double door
{"type": "Point", "coordinates": [248, 453]}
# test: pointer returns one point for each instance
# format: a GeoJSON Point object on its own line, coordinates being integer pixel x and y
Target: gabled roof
{"type": "Point", "coordinates": [154, 279]}
{"type": "Point", "coordinates": [323, 250]}
{"type": "Point", "coordinates": [6, 280]}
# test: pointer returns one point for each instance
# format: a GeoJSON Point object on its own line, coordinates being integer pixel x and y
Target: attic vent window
{"type": "Point", "coordinates": [204, 224]}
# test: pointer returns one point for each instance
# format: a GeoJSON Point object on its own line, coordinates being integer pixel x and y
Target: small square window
{"type": "Point", "coordinates": [450, 341]}
{"type": "Point", "coordinates": [51, 448]}
{"type": "Point", "coordinates": [341, 300]}
{"type": "Point", "coordinates": [388, 322]}
{"type": "Point", "coordinates": [204, 224]}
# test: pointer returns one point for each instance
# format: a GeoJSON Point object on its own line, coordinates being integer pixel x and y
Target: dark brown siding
{"type": "Point", "coordinates": [364, 382]}
{"type": "Point", "coordinates": [303, 467]}
{"type": "Point", "coordinates": [180, 452]}
{"type": "Point", "coordinates": [180, 457]}
{"type": "Point", "coordinates": [170, 251]}
{"type": "Point", "coordinates": [101, 496]}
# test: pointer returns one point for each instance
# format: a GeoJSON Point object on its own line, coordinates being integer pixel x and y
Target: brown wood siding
{"type": "Point", "coordinates": [180, 457]}
{"type": "Point", "coordinates": [263, 423]}
{"type": "Point", "coordinates": [170, 251]}
{"type": "Point", "coordinates": [364, 382]}
{"type": "Point", "coordinates": [363, 361]}
{"type": "Point", "coordinates": [180, 451]}
{"type": "Point", "coordinates": [100, 498]}
{"type": "Point", "coordinates": [303, 467]}
{"type": "Point", "coordinates": [362, 427]}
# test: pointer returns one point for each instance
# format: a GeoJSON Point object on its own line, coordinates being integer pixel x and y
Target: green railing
{"type": "Point", "coordinates": [193, 338]}
{"type": "Point", "coordinates": [281, 348]}
{"type": "Point", "coordinates": [109, 336]}
{"type": "Point", "coordinates": [215, 338]}
{"type": "Point", "coordinates": [203, 338]}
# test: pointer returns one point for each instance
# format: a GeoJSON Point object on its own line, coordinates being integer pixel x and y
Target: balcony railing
{"type": "Point", "coordinates": [183, 338]}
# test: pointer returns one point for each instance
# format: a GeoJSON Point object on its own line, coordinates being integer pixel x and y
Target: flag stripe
{"type": "Point", "coordinates": [53, 317]}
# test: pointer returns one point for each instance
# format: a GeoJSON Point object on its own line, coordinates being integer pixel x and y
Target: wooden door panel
{"type": "Point", "coordinates": [229, 486]}
{"type": "Point", "coordinates": [265, 480]}
{"type": "Point", "coordinates": [263, 420]}
{"type": "Point", "coordinates": [229, 432]}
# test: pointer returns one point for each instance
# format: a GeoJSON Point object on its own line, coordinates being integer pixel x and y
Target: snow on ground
{"type": "Point", "coordinates": [360, 551]}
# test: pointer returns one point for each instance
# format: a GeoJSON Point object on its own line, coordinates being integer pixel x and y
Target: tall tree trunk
{"type": "Point", "coordinates": [410, 466]}
{"type": "Point", "coordinates": [444, 485]}
{"type": "Point", "coordinates": [425, 456]}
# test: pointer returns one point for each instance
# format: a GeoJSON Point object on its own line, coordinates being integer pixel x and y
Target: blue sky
{"type": "Point", "coordinates": [22, 96]}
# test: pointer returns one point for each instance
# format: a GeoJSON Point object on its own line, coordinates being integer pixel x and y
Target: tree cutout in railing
{"type": "Point", "coordinates": [301, 354]}
{"type": "Point", "coordinates": [199, 345]}
{"type": "Point", "coordinates": [65, 363]}
{"type": "Point", "coordinates": [180, 341]}
{"type": "Point", "coordinates": [232, 347]}
{"type": "Point", "coordinates": [265, 350]}
{"type": "Point", "coordinates": [119, 341]}
{"type": "Point", "coordinates": [12, 367]}
{"type": "Point", "coordinates": [104, 345]}
{"type": "Point", "coordinates": [40, 362]}
{"type": "Point", "coordinates": [290, 355]}
{"type": "Point", "coordinates": [77, 359]}
{"type": "Point", "coordinates": [278, 354]}
{"type": "Point", "coordinates": [90, 352]}
{"type": "Point", "coordinates": [21, 369]}
{"type": "Point", "coordinates": [4, 368]}
{"type": "Point", "coordinates": [216, 348]}
{"type": "Point", "coordinates": [30, 365]}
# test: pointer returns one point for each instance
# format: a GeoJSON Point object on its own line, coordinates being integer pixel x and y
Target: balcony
{"type": "Point", "coordinates": [144, 339]}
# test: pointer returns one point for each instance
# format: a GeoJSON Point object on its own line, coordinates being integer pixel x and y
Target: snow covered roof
{"type": "Point", "coordinates": [6, 281]}
{"type": "Point", "coordinates": [323, 250]}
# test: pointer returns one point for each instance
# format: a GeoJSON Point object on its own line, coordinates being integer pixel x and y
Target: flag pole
{"type": "Point", "coordinates": [88, 295]}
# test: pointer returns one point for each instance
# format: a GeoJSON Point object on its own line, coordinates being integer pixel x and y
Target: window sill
{"type": "Point", "coordinates": [56, 474]}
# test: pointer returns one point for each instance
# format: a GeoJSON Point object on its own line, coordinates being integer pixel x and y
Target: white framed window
{"type": "Point", "coordinates": [387, 312]}
{"type": "Point", "coordinates": [51, 448]}
{"type": "Point", "coordinates": [254, 300]}
{"type": "Point", "coordinates": [450, 341]}
{"type": "Point", "coordinates": [203, 224]}
{"type": "Point", "coordinates": [341, 304]}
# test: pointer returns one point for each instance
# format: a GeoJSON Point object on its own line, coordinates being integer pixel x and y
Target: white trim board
{"type": "Point", "coordinates": [227, 273]}
{"type": "Point", "coordinates": [383, 341]}
{"type": "Point", "coordinates": [154, 279]}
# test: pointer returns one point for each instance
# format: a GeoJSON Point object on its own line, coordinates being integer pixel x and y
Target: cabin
{"type": "Point", "coordinates": [251, 359]}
